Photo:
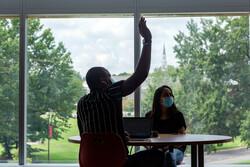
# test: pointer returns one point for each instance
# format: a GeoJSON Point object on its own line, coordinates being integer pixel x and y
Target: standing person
{"type": "Point", "coordinates": [100, 111]}
{"type": "Point", "coordinates": [168, 119]}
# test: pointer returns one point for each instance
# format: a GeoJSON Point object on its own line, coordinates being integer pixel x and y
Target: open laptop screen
{"type": "Point", "coordinates": [138, 127]}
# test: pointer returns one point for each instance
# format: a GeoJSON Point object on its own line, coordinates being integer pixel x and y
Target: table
{"type": "Point", "coordinates": [196, 141]}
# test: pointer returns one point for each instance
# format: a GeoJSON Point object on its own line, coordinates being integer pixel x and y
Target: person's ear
{"type": "Point", "coordinates": [104, 83]}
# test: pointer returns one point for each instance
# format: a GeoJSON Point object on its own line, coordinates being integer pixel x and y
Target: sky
{"type": "Point", "coordinates": [108, 42]}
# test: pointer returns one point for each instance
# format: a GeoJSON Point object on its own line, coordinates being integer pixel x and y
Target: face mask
{"type": "Point", "coordinates": [168, 101]}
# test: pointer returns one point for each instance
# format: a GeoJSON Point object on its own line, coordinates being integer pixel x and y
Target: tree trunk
{"type": "Point", "coordinates": [7, 149]}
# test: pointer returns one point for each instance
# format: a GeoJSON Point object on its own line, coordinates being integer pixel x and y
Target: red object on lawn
{"type": "Point", "coordinates": [50, 131]}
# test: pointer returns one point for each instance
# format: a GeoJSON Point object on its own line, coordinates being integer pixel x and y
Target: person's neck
{"type": "Point", "coordinates": [97, 90]}
{"type": "Point", "coordinates": [164, 113]}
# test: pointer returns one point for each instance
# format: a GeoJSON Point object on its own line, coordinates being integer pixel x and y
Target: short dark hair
{"type": "Point", "coordinates": [93, 77]}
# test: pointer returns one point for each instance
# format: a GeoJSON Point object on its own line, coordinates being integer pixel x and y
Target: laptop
{"type": "Point", "coordinates": [137, 127]}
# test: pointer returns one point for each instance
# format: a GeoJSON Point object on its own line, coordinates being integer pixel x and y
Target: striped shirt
{"type": "Point", "coordinates": [101, 112]}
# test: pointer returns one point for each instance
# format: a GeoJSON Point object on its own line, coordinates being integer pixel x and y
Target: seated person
{"type": "Point", "coordinates": [168, 119]}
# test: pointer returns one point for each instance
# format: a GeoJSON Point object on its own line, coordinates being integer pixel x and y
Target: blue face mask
{"type": "Point", "coordinates": [168, 101]}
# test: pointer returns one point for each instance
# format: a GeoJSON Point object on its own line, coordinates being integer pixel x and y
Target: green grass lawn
{"type": "Point", "coordinates": [60, 150]}
{"type": "Point", "coordinates": [245, 162]}
{"type": "Point", "coordinates": [230, 145]}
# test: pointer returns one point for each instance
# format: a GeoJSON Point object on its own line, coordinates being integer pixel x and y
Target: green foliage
{"type": "Point", "coordinates": [124, 74]}
{"type": "Point", "coordinates": [128, 104]}
{"type": "Point", "coordinates": [215, 74]}
{"type": "Point", "coordinates": [9, 69]}
{"type": "Point", "coordinates": [245, 129]}
{"type": "Point", "coordinates": [211, 83]}
{"type": "Point", "coordinates": [53, 85]}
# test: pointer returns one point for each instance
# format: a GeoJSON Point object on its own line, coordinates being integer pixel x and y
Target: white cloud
{"type": "Point", "coordinates": [109, 42]}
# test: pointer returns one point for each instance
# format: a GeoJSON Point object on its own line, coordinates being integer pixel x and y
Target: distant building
{"type": "Point", "coordinates": [164, 61]}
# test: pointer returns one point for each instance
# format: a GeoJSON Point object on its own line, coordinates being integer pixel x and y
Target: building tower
{"type": "Point", "coordinates": [164, 58]}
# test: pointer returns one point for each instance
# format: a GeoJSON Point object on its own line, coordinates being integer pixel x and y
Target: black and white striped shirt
{"type": "Point", "coordinates": [100, 112]}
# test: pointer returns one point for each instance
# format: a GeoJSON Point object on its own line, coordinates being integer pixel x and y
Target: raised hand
{"type": "Point", "coordinates": [144, 31]}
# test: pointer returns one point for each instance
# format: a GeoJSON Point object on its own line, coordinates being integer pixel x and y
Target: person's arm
{"type": "Point", "coordinates": [181, 124]}
{"type": "Point", "coordinates": [182, 130]}
{"type": "Point", "coordinates": [143, 65]}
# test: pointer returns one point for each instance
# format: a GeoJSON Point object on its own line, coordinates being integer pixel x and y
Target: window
{"type": "Point", "coordinates": [60, 52]}
{"type": "Point", "coordinates": [205, 60]}
{"type": "Point", "coordinates": [54, 64]}
{"type": "Point", "coordinates": [9, 92]}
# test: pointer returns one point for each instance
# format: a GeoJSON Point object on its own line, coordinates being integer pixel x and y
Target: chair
{"type": "Point", "coordinates": [101, 150]}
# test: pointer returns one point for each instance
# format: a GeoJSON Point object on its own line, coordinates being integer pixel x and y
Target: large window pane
{"type": "Point", "coordinates": [60, 51]}
{"type": "Point", "coordinates": [206, 62]}
{"type": "Point", "coordinates": [9, 93]}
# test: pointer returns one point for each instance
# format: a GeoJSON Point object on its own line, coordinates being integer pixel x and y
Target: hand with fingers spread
{"type": "Point", "coordinates": [144, 31]}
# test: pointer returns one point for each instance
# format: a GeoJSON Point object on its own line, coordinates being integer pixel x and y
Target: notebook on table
{"type": "Point", "coordinates": [138, 128]}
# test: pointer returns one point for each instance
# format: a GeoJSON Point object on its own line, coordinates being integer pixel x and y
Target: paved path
{"type": "Point", "coordinates": [232, 156]}
{"type": "Point", "coordinates": [227, 157]}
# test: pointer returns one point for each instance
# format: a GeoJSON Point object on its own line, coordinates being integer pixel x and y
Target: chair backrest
{"type": "Point", "coordinates": [101, 150]}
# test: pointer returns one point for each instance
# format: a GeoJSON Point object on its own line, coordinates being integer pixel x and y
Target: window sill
{"type": "Point", "coordinates": [38, 165]}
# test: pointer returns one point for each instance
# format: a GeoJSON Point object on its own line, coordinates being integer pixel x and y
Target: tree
{"type": "Point", "coordinates": [244, 129]}
{"type": "Point", "coordinates": [53, 85]}
{"type": "Point", "coordinates": [214, 72]}
{"type": "Point", "coordinates": [8, 85]}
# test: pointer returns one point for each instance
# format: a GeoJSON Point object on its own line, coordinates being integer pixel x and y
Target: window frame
{"type": "Point", "coordinates": [85, 8]}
